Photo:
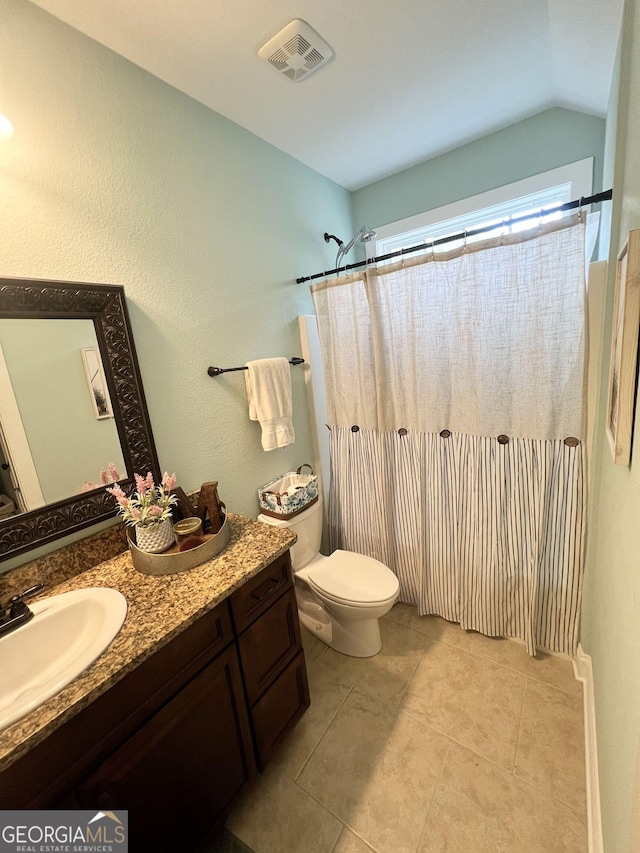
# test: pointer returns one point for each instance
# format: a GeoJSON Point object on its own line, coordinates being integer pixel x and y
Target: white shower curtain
{"type": "Point", "coordinates": [455, 394]}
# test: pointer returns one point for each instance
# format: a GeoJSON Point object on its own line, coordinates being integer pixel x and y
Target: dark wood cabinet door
{"type": "Point", "coordinates": [280, 708]}
{"type": "Point", "coordinates": [268, 645]}
{"type": "Point", "coordinates": [178, 773]}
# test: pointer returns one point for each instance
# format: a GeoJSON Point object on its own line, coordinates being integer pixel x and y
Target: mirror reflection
{"type": "Point", "coordinates": [57, 426]}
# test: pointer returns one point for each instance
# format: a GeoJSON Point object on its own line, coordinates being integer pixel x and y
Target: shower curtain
{"type": "Point", "coordinates": [455, 394]}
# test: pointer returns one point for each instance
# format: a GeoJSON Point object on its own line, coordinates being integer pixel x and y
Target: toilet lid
{"type": "Point", "coordinates": [353, 577]}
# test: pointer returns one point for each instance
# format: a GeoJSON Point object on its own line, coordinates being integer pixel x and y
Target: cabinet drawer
{"type": "Point", "coordinates": [259, 593]}
{"type": "Point", "coordinates": [280, 708]}
{"type": "Point", "coordinates": [268, 645]}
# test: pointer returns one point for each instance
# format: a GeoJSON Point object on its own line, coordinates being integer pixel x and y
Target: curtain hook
{"type": "Point", "coordinates": [464, 247]}
{"type": "Point", "coordinates": [433, 250]}
{"type": "Point", "coordinates": [580, 209]}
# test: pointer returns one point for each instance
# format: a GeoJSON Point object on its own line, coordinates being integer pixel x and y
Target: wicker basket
{"type": "Point", "coordinates": [289, 494]}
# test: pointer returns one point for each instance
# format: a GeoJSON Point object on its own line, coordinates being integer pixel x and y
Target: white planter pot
{"type": "Point", "coordinates": [156, 538]}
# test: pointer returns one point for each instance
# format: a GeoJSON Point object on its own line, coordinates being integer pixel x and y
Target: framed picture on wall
{"type": "Point", "coordinates": [624, 351]}
{"type": "Point", "coordinates": [97, 383]}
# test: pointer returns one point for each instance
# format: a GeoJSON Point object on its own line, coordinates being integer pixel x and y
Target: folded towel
{"type": "Point", "coordinates": [268, 383]}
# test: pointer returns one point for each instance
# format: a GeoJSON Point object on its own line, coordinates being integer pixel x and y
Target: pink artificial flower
{"type": "Point", "coordinates": [104, 478]}
{"type": "Point", "coordinates": [149, 481]}
{"type": "Point", "coordinates": [168, 481]}
{"type": "Point", "coordinates": [123, 500]}
{"type": "Point", "coordinates": [117, 492]}
{"type": "Point", "coordinates": [135, 512]}
{"type": "Point", "coordinates": [88, 487]}
{"type": "Point", "coordinates": [113, 472]}
{"type": "Point", "coordinates": [141, 484]}
{"type": "Point", "coordinates": [154, 509]}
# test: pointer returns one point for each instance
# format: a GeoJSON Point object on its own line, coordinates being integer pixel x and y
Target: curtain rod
{"type": "Point", "coordinates": [569, 205]}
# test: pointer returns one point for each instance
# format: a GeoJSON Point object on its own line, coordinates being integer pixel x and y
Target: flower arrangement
{"type": "Point", "coordinates": [108, 475]}
{"type": "Point", "coordinates": [150, 504]}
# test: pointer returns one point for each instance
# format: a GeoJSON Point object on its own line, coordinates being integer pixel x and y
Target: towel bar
{"type": "Point", "coordinates": [216, 371]}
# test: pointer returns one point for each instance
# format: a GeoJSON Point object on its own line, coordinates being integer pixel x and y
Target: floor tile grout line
{"type": "Point", "coordinates": [329, 810]}
{"type": "Point", "coordinates": [326, 808]}
{"type": "Point", "coordinates": [582, 813]}
{"type": "Point", "coordinates": [454, 740]}
{"type": "Point", "coordinates": [436, 788]}
{"type": "Point", "coordinates": [321, 738]}
{"type": "Point", "coordinates": [517, 743]}
{"type": "Point", "coordinates": [288, 779]}
{"type": "Point", "coordinates": [415, 669]}
{"type": "Point", "coordinates": [400, 710]}
{"type": "Point", "coordinates": [359, 837]}
{"type": "Point", "coordinates": [482, 656]}
{"type": "Point", "coordinates": [511, 771]}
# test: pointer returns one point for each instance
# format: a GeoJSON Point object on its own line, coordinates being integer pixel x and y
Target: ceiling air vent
{"type": "Point", "coordinates": [296, 51]}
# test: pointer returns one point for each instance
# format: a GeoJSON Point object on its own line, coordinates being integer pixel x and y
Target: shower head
{"type": "Point", "coordinates": [364, 235]}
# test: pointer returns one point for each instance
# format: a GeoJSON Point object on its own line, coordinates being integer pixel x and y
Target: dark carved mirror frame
{"type": "Point", "coordinates": [105, 305]}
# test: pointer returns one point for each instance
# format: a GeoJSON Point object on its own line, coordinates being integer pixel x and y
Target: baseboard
{"type": "Point", "coordinates": [583, 672]}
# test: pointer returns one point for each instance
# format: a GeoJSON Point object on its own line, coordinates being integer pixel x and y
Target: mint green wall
{"type": "Point", "coordinates": [611, 607]}
{"type": "Point", "coordinates": [68, 444]}
{"type": "Point", "coordinates": [550, 139]}
{"type": "Point", "coordinates": [114, 176]}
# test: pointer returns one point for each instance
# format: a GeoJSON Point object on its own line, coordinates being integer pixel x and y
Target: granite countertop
{"type": "Point", "coordinates": [159, 608]}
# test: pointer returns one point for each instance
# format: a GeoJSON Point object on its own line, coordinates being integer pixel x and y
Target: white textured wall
{"type": "Point", "coordinates": [611, 607]}
{"type": "Point", "coordinates": [114, 176]}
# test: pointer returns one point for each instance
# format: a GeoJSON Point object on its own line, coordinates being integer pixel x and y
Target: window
{"type": "Point", "coordinates": [496, 206]}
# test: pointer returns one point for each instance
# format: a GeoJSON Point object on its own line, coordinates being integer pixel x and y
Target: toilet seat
{"type": "Point", "coordinates": [354, 579]}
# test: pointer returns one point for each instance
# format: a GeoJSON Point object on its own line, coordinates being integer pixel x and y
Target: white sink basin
{"type": "Point", "coordinates": [67, 633]}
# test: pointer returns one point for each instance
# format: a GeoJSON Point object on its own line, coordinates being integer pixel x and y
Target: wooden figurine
{"type": "Point", "coordinates": [209, 504]}
{"type": "Point", "coordinates": [184, 508]}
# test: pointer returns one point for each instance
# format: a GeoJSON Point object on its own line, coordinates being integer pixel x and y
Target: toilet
{"type": "Point", "coordinates": [341, 597]}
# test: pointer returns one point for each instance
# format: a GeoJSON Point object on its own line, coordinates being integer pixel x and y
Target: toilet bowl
{"type": "Point", "coordinates": [341, 597]}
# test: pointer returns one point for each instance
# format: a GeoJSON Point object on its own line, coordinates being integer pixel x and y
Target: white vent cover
{"type": "Point", "coordinates": [296, 51]}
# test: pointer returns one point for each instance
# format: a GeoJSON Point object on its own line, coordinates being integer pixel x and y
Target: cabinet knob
{"type": "Point", "coordinates": [106, 800]}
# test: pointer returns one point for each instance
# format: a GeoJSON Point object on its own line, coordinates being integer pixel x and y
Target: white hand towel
{"type": "Point", "coordinates": [268, 383]}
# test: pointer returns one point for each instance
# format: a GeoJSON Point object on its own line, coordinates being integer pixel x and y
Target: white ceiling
{"type": "Point", "coordinates": [409, 80]}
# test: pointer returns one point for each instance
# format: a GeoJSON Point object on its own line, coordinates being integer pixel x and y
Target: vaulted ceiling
{"type": "Point", "coordinates": [409, 80]}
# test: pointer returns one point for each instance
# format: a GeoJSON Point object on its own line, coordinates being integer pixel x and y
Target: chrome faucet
{"type": "Point", "coordinates": [16, 612]}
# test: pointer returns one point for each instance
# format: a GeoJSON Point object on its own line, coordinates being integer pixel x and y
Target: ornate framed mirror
{"type": "Point", "coordinates": [78, 405]}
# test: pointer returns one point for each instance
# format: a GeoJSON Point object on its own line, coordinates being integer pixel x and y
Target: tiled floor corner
{"type": "Point", "coordinates": [445, 741]}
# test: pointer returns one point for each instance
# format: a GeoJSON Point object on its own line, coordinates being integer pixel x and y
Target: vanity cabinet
{"type": "Point", "coordinates": [181, 768]}
{"type": "Point", "coordinates": [177, 737]}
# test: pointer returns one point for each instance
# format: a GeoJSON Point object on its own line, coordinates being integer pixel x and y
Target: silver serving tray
{"type": "Point", "coordinates": [172, 562]}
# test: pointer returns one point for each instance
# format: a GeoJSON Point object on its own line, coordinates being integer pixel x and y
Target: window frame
{"type": "Point", "coordinates": [565, 183]}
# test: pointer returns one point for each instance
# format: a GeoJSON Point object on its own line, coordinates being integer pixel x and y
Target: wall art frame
{"type": "Point", "coordinates": [96, 382]}
{"type": "Point", "coordinates": [623, 366]}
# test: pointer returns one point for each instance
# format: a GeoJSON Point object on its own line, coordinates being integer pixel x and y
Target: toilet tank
{"type": "Point", "coordinates": [307, 526]}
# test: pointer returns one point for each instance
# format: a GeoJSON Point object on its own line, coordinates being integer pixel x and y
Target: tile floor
{"type": "Point", "coordinates": [446, 741]}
